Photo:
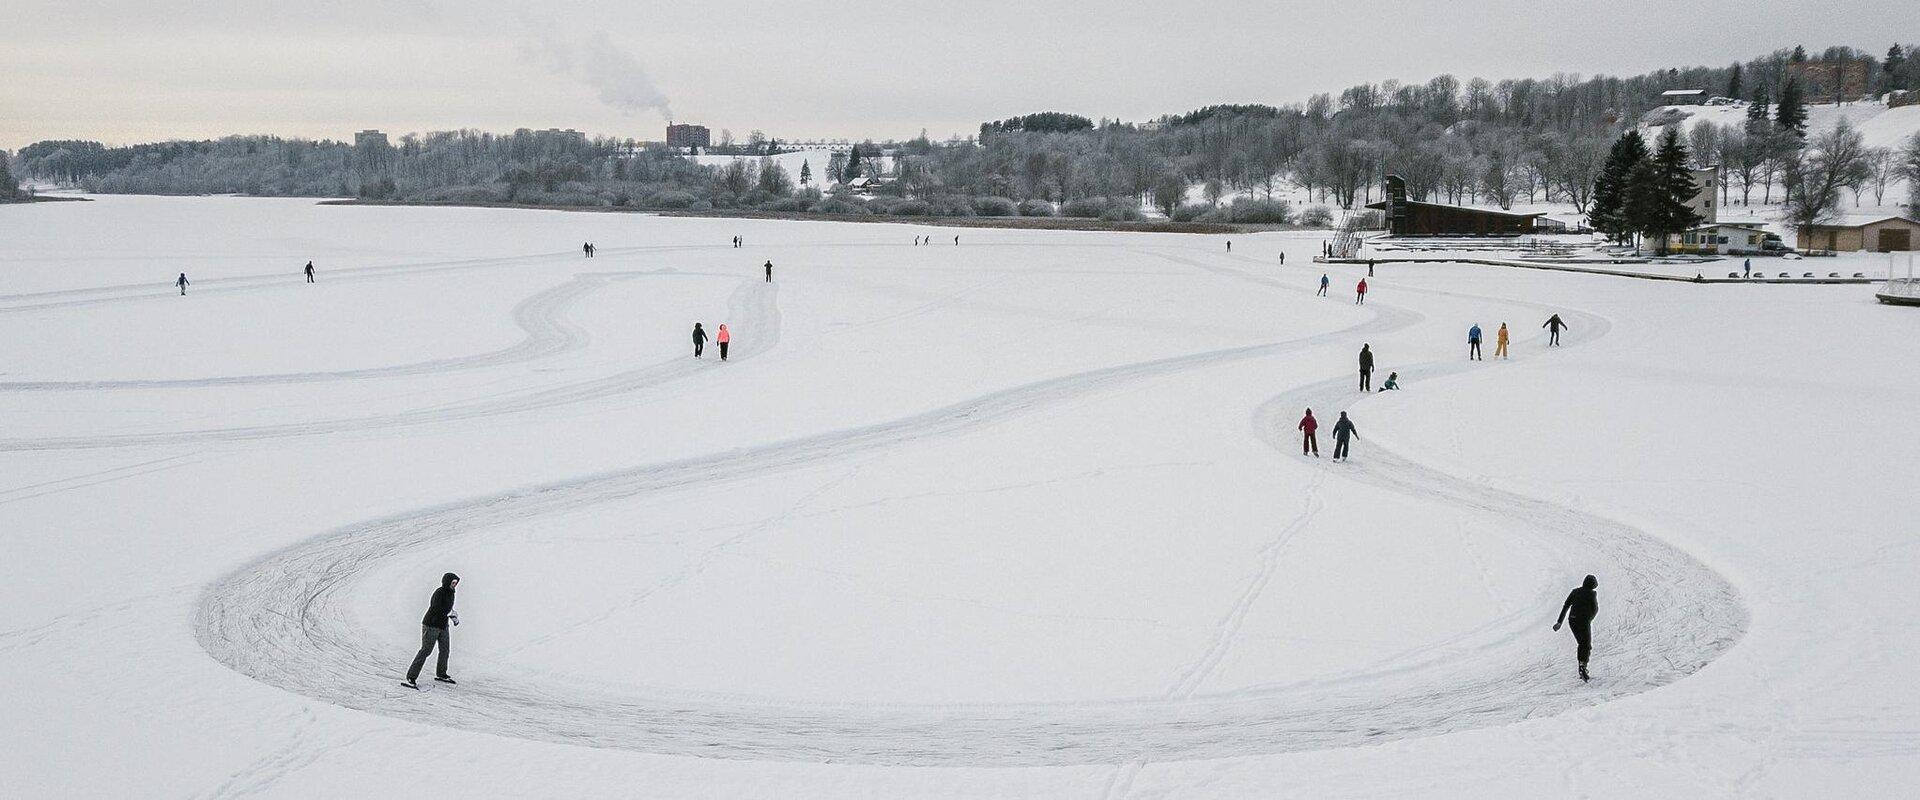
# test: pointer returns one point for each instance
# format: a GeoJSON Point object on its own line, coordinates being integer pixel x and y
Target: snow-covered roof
{"type": "Point", "coordinates": [1682, 92]}
{"type": "Point", "coordinates": [1859, 220]}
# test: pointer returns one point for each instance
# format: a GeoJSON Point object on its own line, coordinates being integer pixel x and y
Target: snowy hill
{"type": "Point", "coordinates": [1878, 125]}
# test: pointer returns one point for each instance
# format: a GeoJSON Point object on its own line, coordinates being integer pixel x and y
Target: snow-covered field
{"type": "Point", "coordinates": [1019, 517]}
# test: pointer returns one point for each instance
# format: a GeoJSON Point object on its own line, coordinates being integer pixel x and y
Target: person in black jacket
{"type": "Point", "coordinates": [769, 271]}
{"type": "Point", "coordinates": [1366, 367]}
{"type": "Point", "coordinates": [699, 339]}
{"type": "Point", "coordinates": [1578, 612]}
{"type": "Point", "coordinates": [1553, 326]}
{"type": "Point", "coordinates": [433, 632]}
{"type": "Point", "coordinates": [1342, 431]}
{"type": "Point", "coordinates": [310, 272]}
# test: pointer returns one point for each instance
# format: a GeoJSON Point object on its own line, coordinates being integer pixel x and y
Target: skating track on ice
{"type": "Point", "coordinates": [283, 618]}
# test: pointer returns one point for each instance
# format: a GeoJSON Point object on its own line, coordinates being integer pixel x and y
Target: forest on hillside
{"type": "Point", "coordinates": [1473, 141]}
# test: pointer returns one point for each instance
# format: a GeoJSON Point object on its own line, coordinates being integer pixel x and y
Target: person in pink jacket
{"type": "Point", "coordinates": [722, 337]}
{"type": "Point", "coordinates": [1307, 426]}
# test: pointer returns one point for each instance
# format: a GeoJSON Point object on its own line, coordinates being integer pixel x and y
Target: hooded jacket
{"type": "Point", "coordinates": [442, 603]}
{"type": "Point", "coordinates": [699, 335]}
{"type": "Point", "coordinates": [1343, 429]}
{"type": "Point", "coordinates": [1309, 424]}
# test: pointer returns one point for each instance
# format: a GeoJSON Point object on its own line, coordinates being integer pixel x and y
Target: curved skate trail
{"type": "Point", "coordinates": [284, 620]}
{"type": "Point", "coordinates": [753, 303]}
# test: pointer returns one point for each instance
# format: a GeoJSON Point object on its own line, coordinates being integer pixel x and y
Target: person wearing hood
{"type": "Point", "coordinates": [1578, 612]}
{"type": "Point", "coordinates": [433, 632]}
{"type": "Point", "coordinates": [1366, 367]}
{"type": "Point", "coordinates": [1307, 426]}
{"type": "Point", "coordinates": [722, 337]}
{"type": "Point", "coordinates": [1342, 431]}
{"type": "Point", "coordinates": [1553, 326]}
{"type": "Point", "coordinates": [699, 340]}
{"type": "Point", "coordinates": [1500, 339]}
{"type": "Point", "coordinates": [1473, 343]}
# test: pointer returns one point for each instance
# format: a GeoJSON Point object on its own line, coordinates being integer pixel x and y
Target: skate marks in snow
{"type": "Point", "coordinates": [284, 621]}
{"type": "Point", "coordinates": [753, 306]}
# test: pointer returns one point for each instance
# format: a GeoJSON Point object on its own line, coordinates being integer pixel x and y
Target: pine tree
{"type": "Point", "coordinates": [1611, 214]}
{"type": "Point", "coordinates": [1799, 55]}
{"type": "Point", "coordinates": [1759, 110]}
{"type": "Point", "coordinates": [1791, 112]}
{"type": "Point", "coordinates": [806, 172]}
{"type": "Point", "coordinates": [1896, 57]}
{"type": "Point", "coordinates": [1733, 81]}
{"type": "Point", "coordinates": [852, 171]}
{"type": "Point", "coordinates": [9, 187]}
{"type": "Point", "coordinates": [1660, 191]}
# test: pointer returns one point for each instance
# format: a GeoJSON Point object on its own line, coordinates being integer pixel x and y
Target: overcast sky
{"type": "Point", "coordinates": [126, 71]}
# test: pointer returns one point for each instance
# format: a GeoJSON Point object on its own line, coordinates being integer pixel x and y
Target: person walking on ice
{"type": "Point", "coordinates": [586, 250]}
{"type": "Point", "coordinates": [699, 340]}
{"type": "Point", "coordinates": [309, 272]}
{"type": "Point", "coordinates": [1553, 326]}
{"type": "Point", "coordinates": [769, 271]}
{"type": "Point", "coordinates": [1578, 612]}
{"type": "Point", "coordinates": [1360, 293]}
{"type": "Point", "coordinates": [1366, 367]}
{"type": "Point", "coordinates": [722, 337]}
{"type": "Point", "coordinates": [433, 632]}
{"type": "Point", "coordinates": [183, 283]}
{"type": "Point", "coordinates": [1283, 258]}
{"type": "Point", "coordinates": [1324, 281]}
{"type": "Point", "coordinates": [1307, 426]}
{"type": "Point", "coordinates": [1473, 343]}
{"type": "Point", "coordinates": [1229, 245]}
{"type": "Point", "coordinates": [1500, 339]}
{"type": "Point", "coordinates": [1342, 431]}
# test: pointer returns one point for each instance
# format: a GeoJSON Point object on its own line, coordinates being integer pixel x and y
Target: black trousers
{"type": "Point", "coordinates": [429, 637]}
{"type": "Point", "coordinates": [1366, 380]}
{"type": "Point", "coordinates": [1340, 446]}
{"type": "Point", "coordinates": [1473, 349]}
{"type": "Point", "coordinates": [698, 346]}
{"type": "Point", "coordinates": [723, 351]}
{"type": "Point", "coordinates": [1583, 637]}
{"type": "Point", "coordinates": [1553, 336]}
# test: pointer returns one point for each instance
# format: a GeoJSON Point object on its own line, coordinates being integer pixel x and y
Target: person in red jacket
{"type": "Point", "coordinates": [1360, 293]}
{"type": "Point", "coordinates": [722, 337]}
{"type": "Point", "coordinates": [1307, 426]}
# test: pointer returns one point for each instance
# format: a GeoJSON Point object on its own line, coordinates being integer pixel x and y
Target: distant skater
{"type": "Point", "coordinates": [183, 283]}
{"type": "Point", "coordinates": [1392, 383]}
{"type": "Point", "coordinates": [1578, 612]}
{"type": "Point", "coordinates": [1229, 245]}
{"type": "Point", "coordinates": [310, 272]}
{"type": "Point", "coordinates": [1283, 258]}
{"type": "Point", "coordinates": [1473, 343]}
{"type": "Point", "coordinates": [956, 241]}
{"type": "Point", "coordinates": [722, 338]}
{"type": "Point", "coordinates": [1324, 282]}
{"type": "Point", "coordinates": [1366, 367]}
{"type": "Point", "coordinates": [1500, 339]}
{"type": "Point", "coordinates": [699, 340]}
{"type": "Point", "coordinates": [433, 632]}
{"type": "Point", "coordinates": [1553, 326]}
{"type": "Point", "coordinates": [1307, 426]}
{"type": "Point", "coordinates": [1369, 267]}
{"type": "Point", "coordinates": [1360, 293]}
{"type": "Point", "coordinates": [1746, 268]}
{"type": "Point", "coordinates": [586, 250]}
{"type": "Point", "coordinates": [1342, 431]}
{"type": "Point", "coordinates": [769, 271]}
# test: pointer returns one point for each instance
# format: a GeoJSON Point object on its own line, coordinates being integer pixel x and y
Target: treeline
{"type": "Point", "coordinates": [1473, 141]}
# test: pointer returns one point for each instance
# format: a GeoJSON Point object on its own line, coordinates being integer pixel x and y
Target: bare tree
{"type": "Point", "coordinates": [1814, 175]}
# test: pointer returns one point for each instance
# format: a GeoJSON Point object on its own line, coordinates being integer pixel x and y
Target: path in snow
{"type": "Point", "coordinates": [284, 620]}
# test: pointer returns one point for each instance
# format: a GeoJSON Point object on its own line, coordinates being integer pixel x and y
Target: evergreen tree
{"type": "Point", "coordinates": [1760, 110]}
{"type": "Point", "coordinates": [806, 172]}
{"type": "Point", "coordinates": [852, 171]}
{"type": "Point", "coordinates": [1799, 55]}
{"type": "Point", "coordinates": [1733, 81]}
{"type": "Point", "coordinates": [1896, 57]}
{"type": "Point", "coordinates": [9, 187]}
{"type": "Point", "coordinates": [1791, 112]}
{"type": "Point", "coordinates": [1611, 214]}
{"type": "Point", "coordinates": [1660, 190]}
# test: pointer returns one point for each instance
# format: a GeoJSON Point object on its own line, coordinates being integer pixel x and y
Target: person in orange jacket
{"type": "Point", "coordinates": [722, 337]}
{"type": "Point", "coordinates": [1500, 342]}
{"type": "Point", "coordinates": [1307, 426]}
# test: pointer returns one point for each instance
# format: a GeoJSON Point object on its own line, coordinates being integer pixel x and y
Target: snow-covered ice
{"type": "Point", "coordinates": [1020, 517]}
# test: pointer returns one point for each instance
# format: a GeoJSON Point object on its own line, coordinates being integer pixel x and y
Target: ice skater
{"type": "Point", "coordinates": [1500, 339]}
{"type": "Point", "coordinates": [1229, 245]}
{"type": "Point", "coordinates": [1369, 267]}
{"type": "Point", "coordinates": [769, 271]}
{"type": "Point", "coordinates": [1307, 426]}
{"type": "Point", "coordinates": [183, 283]}
{"type": "Point", "coordinates": [1473, 343]}
{"type": "Point", "coordinates": [1746, 268]}
{"type": "Point", "coordinates": [1360, 293]}
{"type": "Point", "coordinates": [1553, 326]}
{"type": "Point", "coordinates": [956, 241]}
{"type": "Point", "coordinates": [699, 340]}
{"type": "Point", "coordinates": [1342, 431]}
{"type": "Point", "coordinates": [586, 250]}
{"type": "Point", "coordinates": [1392, 383]}
{"type": "Point", "coordinates": [433, 632]}
{"type": "Point", "coordinates": [1578, 612]}
{"type": "Point", "coordinates": [310, 272]}
{"type": "Point", "coordinates": [722, 337]}
{"type": "Point", "coordinates": [1366, 367]}
{"type": "Point", "coordinates": [1324, 282]}
{"type": "Point", "coordinates": [1283, 258]}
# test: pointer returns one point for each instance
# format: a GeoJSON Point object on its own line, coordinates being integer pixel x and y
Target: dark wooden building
{"type": "Point", "coordinates": [1416, 218]}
